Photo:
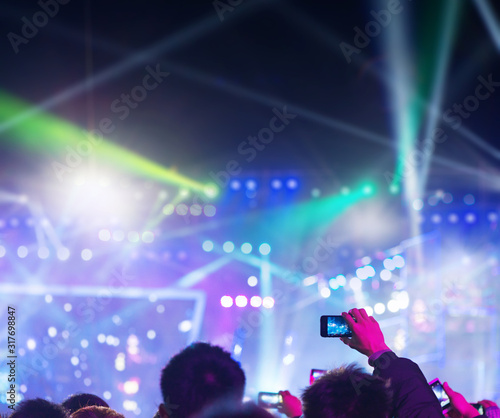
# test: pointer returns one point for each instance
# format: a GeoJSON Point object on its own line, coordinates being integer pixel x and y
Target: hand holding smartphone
{"type": "Point", "coordinates": [334, 326]}
{"type": "Point", "coordinates": [443, 398]}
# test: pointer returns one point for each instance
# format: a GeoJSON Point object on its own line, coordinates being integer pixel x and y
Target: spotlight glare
{"type": "Point", "coordinates": [252, 281]}
{"type": "Point", "coordinates": [241, 301]}
{"type": "Point", "coordinates": [43, 253]}
{"type": "Point", "coordinates": [385, 275]}
{"type": "Point", "coordinates": [208, 246]}
{"type": "Point", "coordinates": [369, 310]}
{"type": "Point", "coordinates": [31, 344]}
{"type": "Point", "coordinates": [185, 326]}
{"type": "Point", "coordinates": [256, 301]}
{"type": "Point", "coordinates": [379, 308]}
{"type": "Point", "coordinates": [246, 248]}
{"type": "Point", "coordinates": [235, 184]}
{"type": "Point", "coordinates": [393, 306]}
{"type": "Point", "coordinates": [268, 302]}
{"type": "Point", "coordinates": [226, 301]}
{"type": "Point", "coordinates": [276, 184]}
{"type": "Point", "coordinates": [341, 280]}
{"type": "Point", "coordinates": [228, 247]}
{"type": "Point", "coordinates": [86, 254]}
{"type": "Point", "coordinates": [398, 261]}
{"type": "Point", "coordinates": [355, 284]}
{"type": "Point", "coordinates": [264, 248]}
{"type": "Point", "coordinates": [251, 184]}
{"type": "Point", "coordinates": [292, 184]}
{"type": "Point", "coordinates": [325, 292]}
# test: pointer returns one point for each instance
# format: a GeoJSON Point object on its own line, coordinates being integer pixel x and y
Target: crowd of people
{"type": "Point", "coordinates": [203, 381]}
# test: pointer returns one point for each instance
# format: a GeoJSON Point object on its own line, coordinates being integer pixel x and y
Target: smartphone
{"type": "Point", "coordinates": [269, 400]}
{"type": "Point", "coordinates": [315, 373]}
{"type": "Point", "coordinates": [438, 390]}
{"type": "Point", "coordinates": [479, 408]}
{"type": "Point", "coordinates": [334, 326]}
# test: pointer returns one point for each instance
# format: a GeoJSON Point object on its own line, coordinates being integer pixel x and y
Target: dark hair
{"type": "Point", "coordinates": [79, 400]}
{"type": "Point", "coordinates": [96, 412]}
{"type": "Point", "coordinates": [197, 377]}
{"type": "Point", "coordinates": [39, 408]}
{"type": "Point", "coordinates": [232, 410]}
{"type": "Point", "coordinates": [347, 392]}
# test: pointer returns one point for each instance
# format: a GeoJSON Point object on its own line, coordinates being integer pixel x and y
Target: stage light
{"type": "Point", "coordinates": [399, 261]}
{"type": "Point", "coordinates": [84, 343]}
{"type": "Point", "coordinates": [22, 251]}
{"type": "Point", "coordinates": [268, 302]}
{"type": "Point", "coordinates": [181, 209]}
{"type": "Point", "coordinates": [370, 271]}
{"type": "Point", "coordinates": [379, 308]}
{"type": "Point", "coordinates": [207, 246]}
{"type": "Point", "coordinates": [52, 331]}
{"type": "Point", "coordinates": [195, 210]}
{"type": "Point", "coordinates": [394, 189]}
{"type": "Point", "coordinates": [470, 218]}
{"type": "Point", "coordinates": [246, 248]}
{"type": "Point", "coordinates": [237, 349]}
{"type": "Point", "coordinates": [369, 310]}
{"type": "Point", "coordinates": [368, 189]}
{"type": "Point", "coordinates": [355, 284]}
{"type": "Point", "coordinates": [87, 381]}
{"type": "Point", "coordinates": [228, 247]}
{"type": "Point", "coordinates": [389, 264]}
{"type": "Point", "coordinates": [86, 254]}
{"type": "Point", "coordinates": [49, 298]}
{"type": "Point", "coordinates": [265, 249]}
{"type": "Point", "coordinates": [148, 237]}
{"type": "Point", "coordinates": [453, 218]}
{"type": "Point", "coordinates": [341, 280]}
{"type": "Point", "coordinates": [185, 326]}
{"type": "Point", "coordinates": [110, 340]}
{"type": "Point", "coordinates": [333, 283]}
{"type": "Point", "coordinates": [2, 251]}
{"type": "Point", "coordinates": [345, 191]}
{"type": "Point", "coordinates": [118, 235]}
{"type": "Point", "coordinates": [129, 405]}
{"type": "Point", "coordinates": [325, 292]}
{"type": "Point", "coordinates": [160, 309]}
{"type": "Point", "coordinates": [292, 184]}
{"type": "Point", "coordinates": [104, 235]}
{"type": "Point", "coordinates": [63, 254]}
{"type": "Point", "coordinates": [211, 190]}
{"type": "Point", "coordinates": [366, 260]}
{"type": "Point", "coordinates": [101, 338]}
{"type": "Point", "coordinates": [251, 185]}
{"type": "Point", "coordinates": [418, 204]}
{"type": "Point", "coordinates": [436, 218]}
{"type": "Point", "coordinates": [361, 273]}
{"type": "Point", "coordinates": [315, 193]}
{"type": "Point", "coordinates": [209, 210]}
{"type": "Point", "coordinates": [385, 275]}
{"type": "Point", "coordinates": [241, 301]}
{"type": "Point", "coordinates": [116, 320]}
{"type": "Point", "coordinates": [151, 334]}
{"type": "Point", "coordinates": [276, 184]}
{"type": "Point", "coordinates": [68, 307]}
{"type": "Point", "coordinates": [75, 361]}
{"type": "Point", "coordinates": [403, 299]}
{"type": "Point", "coordinates": [492, 217]}
{"type": "Point", "coordinates": [78, 374]}
{"type": "Point", "coordinates": [120, 362]}
{"type": "Point", "coordinates": [469, 199]}
{"type": "Point", "coordinates": [235, 184]}
{"type": "Point", "coordinates": [43, 253]}
{"type": "Point", "coordinates": [107, 395]}
{"type": "Point", "coordinates": [252, 281]}
{"type": "Point", "coordinates": [168, 209]}
{"type": "Point", "coordinates": [256, 301]}
{"type": "Point", "coordinates": [31, 344]}
{"type": "Point", "coordinates": [288, 359]}
{"type": "Point", "coordinates": [226, 301]}
{"type": "Point", "coordinates": [393, 306]}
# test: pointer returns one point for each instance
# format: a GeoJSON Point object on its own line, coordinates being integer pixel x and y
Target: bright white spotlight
{"type": "Point", "coordinates": [418, 204]}
{"type": "Point", "coordinates": [333, 283]}
{"type": "Point", "coordinates": [288, 359]}
{"type": "Point", "coordinates": [86, 254]}
{"type": "Point", "coordinates": [52, 331]}
{"type": "Point", "coordinates": [228, 247]}
{"type": "Point", "coordinates": [256, 301]}
{"type": "Point", "coordinates": [104, 234]}
{"type": "Point", "coordinates": [355, 284]}
{"type": "Point", "coordinates": [226, 301]}
{"type": "Point", "coordinates": [265, 248]}
{"type": "Point", "coordinates": [31, 344]}
{"type": "Point", "coordinates": [399, 261]}
{"type": "Point", "coordinates": [207, 246]}
{"type": "Point", "coordinates": [251, 184]}
{"type": "Point", "coordinates": [276, 184]}
{"type": "Point", "coordinates": [341, 280]}
{"type": "Point", "coordinates": [185, 326]}
{"type": "Point", "coordinates": [22, 251]}
{"type": "Point", "coordinates": [379, 308]}
{"type": "Point", "coordinates": [235, 184]}
{"type": "Point", "coordinates": [325, 292]}
{"type": "Point", "coordinates": [241, 301]}
{"type": "Point", "coordinates": [369, 310]}
{"type": "Point", "coordinates": [237, 349]}
{"type": "Point", "coordinates": [389, 264]}
{"type": "Point", "coordinates": [148, 237]}
{"type": "Point", "coordinates": [361, 273]}
{"type": "Point", "coordinates": [62, 254]}
{"type": "Point", "coordinates": [268, 302]}
{"type": "Point", "coordinates": [385, 275]}
{"type": "Point", "coordinates": [393, 306]}
{"type": "Point", "coordinates": [246, 248]}
{"type": "Point", "coordinates": [252, 281]}
{"type": "Point", "coordinates": [151, 334]}
{"type": "Point", "coordinates": [292, 183]}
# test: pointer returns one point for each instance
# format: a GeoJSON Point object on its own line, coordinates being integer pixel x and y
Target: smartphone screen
{"type": "Point", "coordinates": [334, 326]}
{"type": "Point", "coordinates": [269, 399]}
{"type": "Point", "coordinates": [315, 373]}
{"type": "Point", "coordinates": [438, 390]}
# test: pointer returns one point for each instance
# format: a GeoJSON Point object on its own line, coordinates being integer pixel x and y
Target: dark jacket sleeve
{"type": "Point", "coordinates": [412, 395]}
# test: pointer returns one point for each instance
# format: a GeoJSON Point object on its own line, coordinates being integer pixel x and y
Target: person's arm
{"type": "Point", "coordinates": [291, 407]}
{"type": "Point", "coordinates": [460, 408]}
{"type": "Point", "coordinates": [412, 395]}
